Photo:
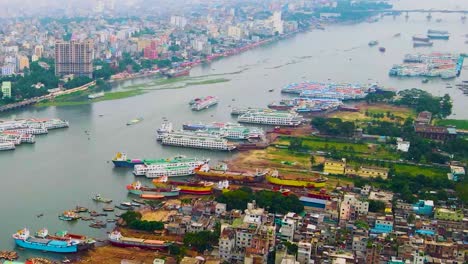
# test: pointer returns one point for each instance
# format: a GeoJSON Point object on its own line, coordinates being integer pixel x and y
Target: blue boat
{"type": "Point", "coordinates": [23, 239]}
{"type": "Point", "coordinates": [120, 160]}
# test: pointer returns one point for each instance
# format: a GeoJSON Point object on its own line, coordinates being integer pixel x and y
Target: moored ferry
{"type": "Point", "coordinates": [193, 140]}
{"type": "Point", "coordinates": [116, 239]}
{"type": "Point", "coordinates": [271, 118]}
{"type": "Point", "coordinates": [228, 130]}
{"type": "Point", "coordinates": [221, 172]}
{"type": "Point", "coordinates": [199, 187]}
{"type": "Point", "coordinates": [204, 103]}
{"type": "Point", "coordinates": [165, 128]}
{"type": "Point", "coordinates": [138, 189]}
{"type": "Point", "coordinates": [42, 242]}
{"type": "Point", "coordinates": [142, 169]}
{"type": "Point", "coordinates": [170, 171]}
{"type": "Point", "coordinates": [7, 146]}
{"type": "Point", "coordinates": [298, 182]}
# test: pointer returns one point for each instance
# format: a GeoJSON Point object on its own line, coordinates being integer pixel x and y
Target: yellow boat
{"type": "Point", "coordinates": [274, 178]}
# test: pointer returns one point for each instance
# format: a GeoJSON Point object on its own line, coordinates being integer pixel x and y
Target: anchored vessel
{"type": "Point", "coordinates": [274, 178]}
{"type": "Point", "coordinates": [116, 239]}
{"type": "Point", "coordinates": [138, 189]}
{"type": "Point", "coordinates": [161, 164]}
{"type": "Point", "coordinates": [271, 118]}
{"type": "Point", "coordinates": [227, 130]}
{"type": "Point", "coordinates": [198, 187]}
{"type": "Point", "coordinates": [221, 172]}
{"type": "Point", "coordinates": [42, 241]}
{"type": "Point", "coordinates": [195, 140]}
{"type": "Point", "coordinates": [7, 146]}
{"type": "Point", "coordinates": [204, 103]}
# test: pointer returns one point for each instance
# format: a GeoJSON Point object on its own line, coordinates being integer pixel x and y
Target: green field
{"type": "Point", "coordinates": [414, 170]}
{"type": "Point", "coordinates": [81, 98]}
{"type": "Point", "coordinates": [364, 150]}
{"type": "Point", "coordinates": [460, 124]}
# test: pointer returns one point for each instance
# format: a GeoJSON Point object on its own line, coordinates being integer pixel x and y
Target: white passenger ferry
{"type": "Point", "coordinates": [142, 169]}
{"type": "Point", "coordinates": [271, 118]}
{"type": "Point", "coordinates": [170, 172]}
{"type": "Point", "coordinates": [7, 146]}
{"type": "Point", "coordinates": [194, 140]}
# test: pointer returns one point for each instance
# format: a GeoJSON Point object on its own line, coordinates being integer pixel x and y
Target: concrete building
{"type": "Point", "coordinates": [277, 22]}
{"type": "Point", "coordinates": [351, 207]}
{"type": "Point", "coordinates": [423, 207]}
{"type": "Point", "coordinates": [234, 32]}
{"type": "Point", "coordinates": [74, 57]}
{"type": "Point", "coordinates": [373, 254]}
{"type": "Point", "coordinates": [449, 215]}
{"type": "Point", "coordinates": [6, 89]}
{"type": "Point", "coordinates": [383, 225]}
{"type": "Point", "coordinates": [8, 69]}
{"type": "Point", "coordinates": [367, 172]}
{"type": "Point", "coordinates": [402, 145]}
{"type": "Point", "coordinates": [334, 166]}
{"type": "Point", "coordinates": [178, 21]}
{"type": "Point", "coordinates": [22, 63]}
{"type": "Point", "coordinates": [456, 173]}
{"type": "Point", "coordinates": [304, 252]}
{"type": "Point", "coordinates": [38, 50]}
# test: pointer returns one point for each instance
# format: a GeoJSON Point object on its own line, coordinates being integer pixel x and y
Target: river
{"type": "Point", "coordinates": [66, 167]}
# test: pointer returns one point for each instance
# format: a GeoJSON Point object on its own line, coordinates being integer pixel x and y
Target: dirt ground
{"type": "Point", "coordinates": [159, 215]}
{"type": "Point", "coordinates": [114, 255]}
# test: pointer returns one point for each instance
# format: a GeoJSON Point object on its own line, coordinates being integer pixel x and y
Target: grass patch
{"type": "Point", "coordinates": [81, 98]}
{"type": "Point", "coordinates": [175, 83]}
{"type": "Point", "coordinates": [460, 124]}
{"type": "Point", "coordinates": [205, 82]}
{"type": "Point", "coordinates": [415, 170]}
{"type": "Point", "coordinates": [400, 113]}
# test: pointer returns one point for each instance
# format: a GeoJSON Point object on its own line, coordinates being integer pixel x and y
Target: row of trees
{"type": "Point", "coordinates": [423, 101]}
{"type": "Point", "coordinates": [272, 201]}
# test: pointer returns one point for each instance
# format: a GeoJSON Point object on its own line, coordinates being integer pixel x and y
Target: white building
{"type": "Point", "coordinates": [402, 146]}
{"type": "Point", "coordinates": [178, 21]}
{"type": "Point", "coordinates": [350, 207]}
{"type": "Point", "coordinates": [287, 229]}
{"type": "Point", "coordinates": [8, 69]}
{"type": "Point", "coordinates": [234, 32]}
{"type": "Point", "coordinates": [277, 22]}
{"type": "Point", "coordinates": [226, 244]}
{"type": "Point", "coordinates": [304, 252]}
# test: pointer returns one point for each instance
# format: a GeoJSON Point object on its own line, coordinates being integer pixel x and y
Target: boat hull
{"type": "Point", "coordinates": [165, 194]}
{"type": "Point", "coordinates": [216, 176]}
{"type": "Point", "coordinates": [295, 183]}
{"type": "Point", "coordinates": [139, 245]}
{"type": "Point", "coordinates": [126, 163]}
{"type": "Point", "coordinates": [196, 192]}
{"type": "Point", "coordinates": [44, 247]}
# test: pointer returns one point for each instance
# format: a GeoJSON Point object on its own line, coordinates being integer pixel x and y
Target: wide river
{"type": "Point", "coordinates": [67, 167]}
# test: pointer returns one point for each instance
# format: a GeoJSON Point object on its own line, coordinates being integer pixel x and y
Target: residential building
{"type": "Point", "coordinates": [383, 225]}
{"type": "Point", "coordinates": [277, 22]}
{"type": "Point", "coordinates": [226, 244]}
{"type": "Point", "coordinates": [8, 69]}
{"type": "Point", "coordinates": [150, 53]}
{"type": "Point", "coordinates": [351, 207]}
{"type": "Point", "coordinates": [22, 63]}
{"type": "Point", "coordinates": [367, 172]}
{"type": "Point", "coordinates": [6, 89]}
{"type": "Point", "coordinates": [334, 166]}
{"type": "Point", "coordinates": [74, 57]}
{"type": "Point", "coordinates": [436, 132]}
{"type": "Point", "coordinates": [424, 118]}
{"type": "Point", "coordinates": [449, 215]}
{"type": "Point", "coordinates": [402, 145]}
{"type": "Point", "coordinates": [304, 252]}
{"type": "Point", "coordinates": [373, 254]}
{"type": "Point", "coordinates": [288, 227]}
{"type": "Point", "coordinates": [178, 21]}
{"type": "Point", "coordinates": [234, 32]}
{"type": "Point", "coordinates": [38, 51]}
{"type": "Point", "coordinates": [456, 173]}
{"type": "Point", "coordinates": [423, 207]}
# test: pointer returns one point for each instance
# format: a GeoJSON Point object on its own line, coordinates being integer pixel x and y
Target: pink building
{"type": "Point", "coordinates": [150, 53]}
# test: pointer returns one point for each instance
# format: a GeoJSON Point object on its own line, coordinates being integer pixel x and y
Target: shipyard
{"type": "Point", "coordinates": [228, 132]}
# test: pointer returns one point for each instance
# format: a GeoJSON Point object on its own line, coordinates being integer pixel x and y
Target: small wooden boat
{"type": "Point", "coordinates": [80, 209]}
{"type": "Point", "coordinates": [108, 209]}
{"type": "Point", "coordinates": [151, 196]}
{"type": "Point", "coordinates": [99, 199]}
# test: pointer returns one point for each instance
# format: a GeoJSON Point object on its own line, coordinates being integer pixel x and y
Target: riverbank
{"type": "Point", "coordinates": [111, 255]}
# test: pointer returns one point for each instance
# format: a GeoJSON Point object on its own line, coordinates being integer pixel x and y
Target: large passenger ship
{"type": "Point", "coordinates": [204, 103]}
{"type": "Point", "coordinates": [194, 140]}
{"type": "Point", "coordinates": [230, 130]}
{"type": "Point", "coordinates": [142, 169]}
{"type": "Point", "coordinates": [271, 118]}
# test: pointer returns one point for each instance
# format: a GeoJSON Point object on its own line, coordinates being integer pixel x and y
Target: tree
{"type": "Point", "coordinates": [295, 144]}
{"type": "Point", "coordinates": [291, 248]}
{"type": "Point", "coordinates": [376, 206]}
{"type": "Point", "coordinates": [200, 241]}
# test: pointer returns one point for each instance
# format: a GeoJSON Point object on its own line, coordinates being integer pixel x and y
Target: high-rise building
{"type": "Point", "coordinates": [6, 89]}
{"type": "Point", "coordinates": [178, 21]}
{"type": "Point", "coordinates": [75, 57]}
{"type": "Point", "coordinates": [22, 63]}
{"type": "Point", "coordinates": [38, 50]}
